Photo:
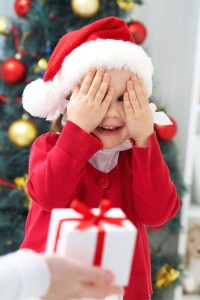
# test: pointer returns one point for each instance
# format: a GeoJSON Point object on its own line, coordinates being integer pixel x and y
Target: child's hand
{"type": "Point", "coordinates": [90, 101]}
{"type": "Point", "coordinates": [138, 113]}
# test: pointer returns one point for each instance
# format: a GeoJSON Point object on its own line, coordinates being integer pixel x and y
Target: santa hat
{"type": "Point", "coordinates": [105, 43]}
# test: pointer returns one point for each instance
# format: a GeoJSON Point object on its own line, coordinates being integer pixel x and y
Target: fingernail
{"type": "Point", "coordinates": [92, 70]}
{"type": "Point", "coordinates": [105, 76]}
{"type": "Point", "coordinates": [109, 277]}
{"type": "Point", "coordinates": [101, 69]}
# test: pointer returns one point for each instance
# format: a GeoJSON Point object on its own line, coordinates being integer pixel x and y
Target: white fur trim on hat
{"type": "Point", "coordinates": [40, 98]}
{"type": "Point", "coordinates": [111, 54]}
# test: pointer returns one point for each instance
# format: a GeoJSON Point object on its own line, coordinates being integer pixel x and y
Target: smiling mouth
{"type": "Point", "coordinates": [108, 130]}
{"type": "Point", "coordinates": [105, 128]}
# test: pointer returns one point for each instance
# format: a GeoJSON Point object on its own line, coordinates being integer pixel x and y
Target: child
{"type": "Point", "coordinates": [103, 144]}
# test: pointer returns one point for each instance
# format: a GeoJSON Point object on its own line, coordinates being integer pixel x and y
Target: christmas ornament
{"type": "Point", "coordinates": [126, 5]}
{"type": "Point", "coordinates": [3, 98]}
{"type": "Point", "coordinates": [165, 276]}
{"type": "Point", "coordinates": [52, 16]}
{"type": "Point", "coordinates": [22, 132]}
{"type": "Point", "coordinates": [138, 31]}
{"type": "Point", "coordinates": [5, 25]}
{"type": "Point", "coordinates": [21, 184]}
{"type": "Point", "coordinates": [13, 70]}
{"type": "Point", "coordinates": [166, 132]}
{"type": "Point", "coordinates": [48, 50]}
{"type": "Point", "coordinates": [22, 7]}
{"type": "Point", "coordinates": [41, 65]}
{"type": "Point", "coordinates": [85, 8]}
{"type": "Point", "coordinates": [9, 242]}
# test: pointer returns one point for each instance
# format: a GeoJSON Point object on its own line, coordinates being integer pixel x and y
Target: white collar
{"type": "Point", "coordinates": [106, 159]}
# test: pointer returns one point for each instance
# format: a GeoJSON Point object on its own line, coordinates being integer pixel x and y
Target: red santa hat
{"type": "Point", "coordinates": [105, 43]}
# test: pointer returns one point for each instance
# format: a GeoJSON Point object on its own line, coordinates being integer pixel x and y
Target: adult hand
{"type": "Point", "coordinates": [138, 113]}
{"type": "Point", "coordinates": [89, 102]}
{"type": "Point", "coordinates": [73, 280]}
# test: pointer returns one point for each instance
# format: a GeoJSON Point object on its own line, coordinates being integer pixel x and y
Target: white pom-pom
{"type": "Point", "coordinates": [40, 98]}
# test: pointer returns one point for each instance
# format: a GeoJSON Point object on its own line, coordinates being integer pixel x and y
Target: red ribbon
{"type": "Point", "coordinates": [18, 43]}
{"type": "Point", "coordinates": [90, 219]}
{"type": "Point", "coordinates": [6, 183]}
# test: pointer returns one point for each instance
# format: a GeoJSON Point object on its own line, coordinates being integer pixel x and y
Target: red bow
{"type": "Point", "coordinates": [90, 219]}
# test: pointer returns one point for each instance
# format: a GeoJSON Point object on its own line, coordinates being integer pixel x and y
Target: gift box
{"type": "Point", "coordinates": [100, 236]}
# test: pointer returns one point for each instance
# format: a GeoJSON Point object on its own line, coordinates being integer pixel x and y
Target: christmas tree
{"type": "Point", "coordinates": [29, 41]}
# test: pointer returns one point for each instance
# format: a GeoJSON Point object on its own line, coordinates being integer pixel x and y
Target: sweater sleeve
{"type": "Point", "coordinates": [56, 165]}
{"type": "Point", "coordinates": [23, 275]}
{"type": "Point", "coordinates": [155, 198]}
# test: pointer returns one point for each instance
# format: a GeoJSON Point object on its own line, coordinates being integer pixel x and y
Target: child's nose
{"type": "Point", "coordinates": [113, 110]}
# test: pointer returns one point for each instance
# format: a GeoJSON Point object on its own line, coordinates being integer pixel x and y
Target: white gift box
{"type": "Point", "coordinates": [118, 245]}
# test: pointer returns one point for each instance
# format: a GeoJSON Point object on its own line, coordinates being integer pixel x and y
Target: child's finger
{"type": "Point", "coordinates": [102, 88]}
{"type": "Point", "coordinates": [138, 91]}
{"type": "Point", "coordinates": [107, 100]}
{"type": "Point", "coordinates": [127, 105]}
{"type": "Point", "coordinates": [142, 95]}
{"type": "Point", "coordinates": [133, 97]}
{"type": "Point", "coordinates": [87, 82]}
{"type": "Point", "coordinates": [96, 83]}
{"type": "Point", "coordinates": [75, 92]}
{"type": "Point", "coordinates": [144, 92]}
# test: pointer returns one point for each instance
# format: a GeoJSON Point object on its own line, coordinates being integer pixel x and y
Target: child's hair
{"type": "Point", "coordinates": [56, 125]}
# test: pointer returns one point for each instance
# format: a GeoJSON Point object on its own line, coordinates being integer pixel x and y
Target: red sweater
{"type": "Point", "coordinates": [139, 184]}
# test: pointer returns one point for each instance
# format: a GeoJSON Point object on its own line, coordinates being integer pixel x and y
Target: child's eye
{"type": "Point", "coordinates": [121, 98]}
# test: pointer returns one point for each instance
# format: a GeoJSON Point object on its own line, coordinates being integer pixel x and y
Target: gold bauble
{"type": "Point", "coordinates": [9, 242]}
{"type": "Point", "coordinates": [126, 5]}
{"type": "Point", "coordinates": [22, 132]}
{"type": "Point", "coordinates": [85, 8]}
{"type": "Point", "coordinates": [41, 65]}
{"type": "Point", "coordinates": [4, 25]}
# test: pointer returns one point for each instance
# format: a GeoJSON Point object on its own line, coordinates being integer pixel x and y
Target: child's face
{"type": "Point", "coordinates": [112, 131]}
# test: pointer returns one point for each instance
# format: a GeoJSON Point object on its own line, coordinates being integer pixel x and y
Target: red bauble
{"type": "Point", "coordinates": [166, 132]}
{"type": "Point", "coordinates": [138, 31]}
{"type": "Point", "coordinates": [21, 7]}
{"type": "Point", "coordinates": [13, 70]}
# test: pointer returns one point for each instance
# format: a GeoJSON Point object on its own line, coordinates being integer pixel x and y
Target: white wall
{"type": "Point", "coordinates": [6, 7]}
{"type": "Point", "coordinates": [172, 34]}
{"type": "Point", "coordinates": [171, 42]}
